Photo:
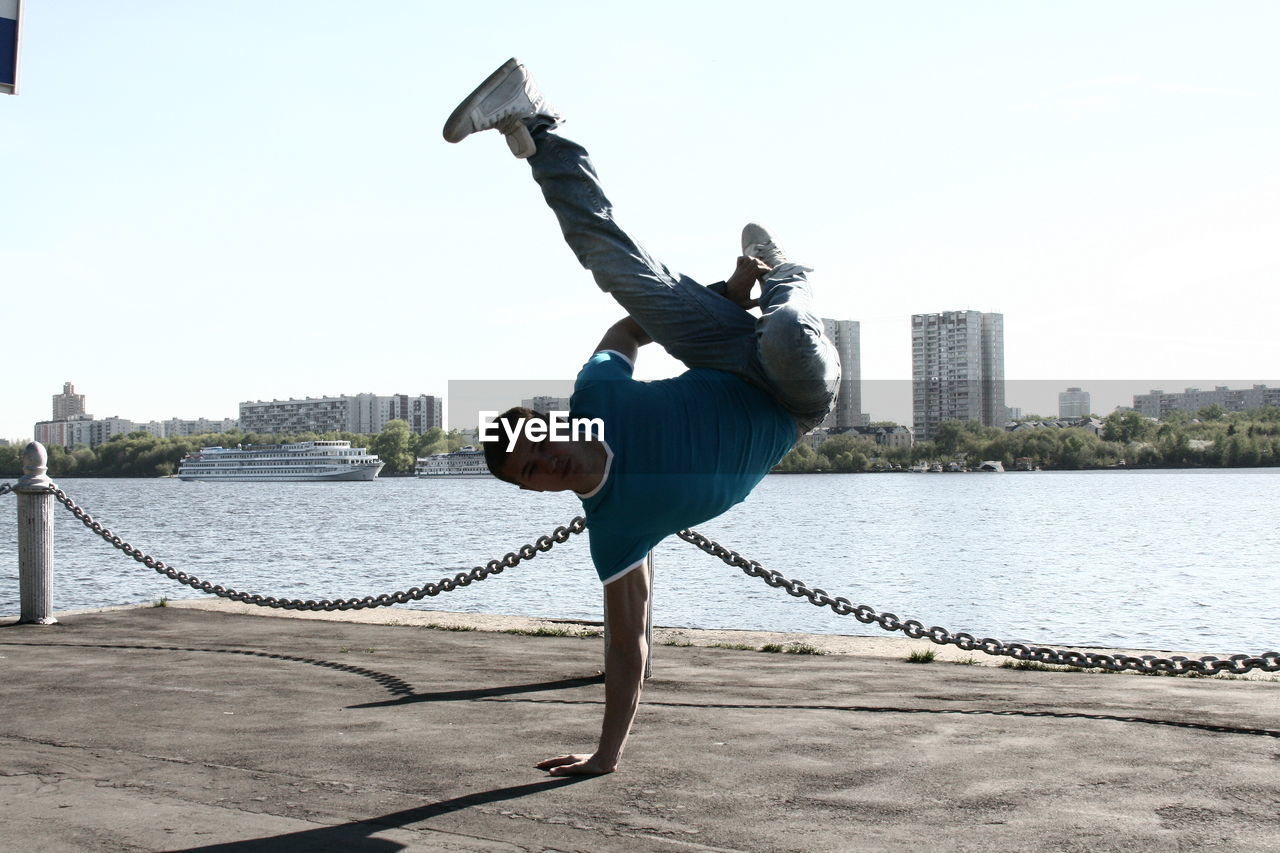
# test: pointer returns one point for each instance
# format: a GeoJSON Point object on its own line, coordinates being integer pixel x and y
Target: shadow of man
{"type": "Point", "coordinates": [355, 837]}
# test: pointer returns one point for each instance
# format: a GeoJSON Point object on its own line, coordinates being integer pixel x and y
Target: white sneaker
{"type": "Point", "coordinates": [756, 243]}
{"type": "Point", "coordinates": [506, 97]}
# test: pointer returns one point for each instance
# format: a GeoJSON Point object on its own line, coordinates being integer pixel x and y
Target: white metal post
{"type": "Point", "coordinates": [35, 537]}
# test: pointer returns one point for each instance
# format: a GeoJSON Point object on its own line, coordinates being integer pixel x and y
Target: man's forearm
{"type": "Point", "coordinates": [625, 336]}
{"type": "Point", "coordinates": [623, 682]}
{"type": "Point", "coordinates": [626, 609]}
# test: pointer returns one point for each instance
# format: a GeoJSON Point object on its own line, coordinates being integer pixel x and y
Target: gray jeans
{"type": "Point", "coordinates": [784, 351]}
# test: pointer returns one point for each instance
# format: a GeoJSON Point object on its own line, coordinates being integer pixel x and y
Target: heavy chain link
{"type": "Point", "coordinates": [1177, 665]}
{"type": "Point", "coordinates": [417, 593]}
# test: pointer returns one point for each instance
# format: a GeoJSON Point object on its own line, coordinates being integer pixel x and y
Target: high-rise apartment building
{"type": "Point", "coordinates": [1074, 403]}
{"type": "Point", "coordinates": [957, 370]}
{"type": "Point", "coordinates": [361, 413]}
{"type": "Point", "coordinates": [68, 404]}
{"type": "Point", "coordinates": [846, 336]}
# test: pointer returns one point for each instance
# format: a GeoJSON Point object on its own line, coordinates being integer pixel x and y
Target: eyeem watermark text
{"type": "Point", "coordinates": [558, 427]}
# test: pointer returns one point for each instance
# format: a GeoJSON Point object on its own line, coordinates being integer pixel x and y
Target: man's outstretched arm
{"type": "Point", "coordinates": [628, 603]}
{"type": "Point", "coordinates": [626, 337]}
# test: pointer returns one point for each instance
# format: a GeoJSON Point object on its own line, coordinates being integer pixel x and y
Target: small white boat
{"type": "Point", "coordinates": [465, 462]}
{"type": "Point", "coordinates": [992, 465]}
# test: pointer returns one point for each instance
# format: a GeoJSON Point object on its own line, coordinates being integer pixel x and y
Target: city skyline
{"type": "Point", "coordinates": [368, 413]}
{"type": "Point", "coordinates": [1100, 174]}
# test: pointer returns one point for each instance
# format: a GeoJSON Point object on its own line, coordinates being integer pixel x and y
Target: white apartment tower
{"type": "Point", "coordinates": [1074, 403]}
{"type": "Point", "coordinates": [957, 370]}
{"type": "Point", "coordinates": [846, 336]}
{"type": "Point", "coordinates": [68, 404]}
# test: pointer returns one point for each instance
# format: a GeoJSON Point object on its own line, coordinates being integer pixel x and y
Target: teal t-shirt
{"type": "Point", "coordinates": [681, 451]}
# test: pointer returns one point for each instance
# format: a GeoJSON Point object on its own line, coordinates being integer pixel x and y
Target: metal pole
{"type": "Point", "coordinates": [35, 537]}
{"type": "Point", "coordinates": [648, 622]}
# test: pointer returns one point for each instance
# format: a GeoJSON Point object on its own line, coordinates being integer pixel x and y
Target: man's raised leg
{"type": "Point", "coordinates": [696, 325]}
{"type": "Point", "coordinates": [801, 364]}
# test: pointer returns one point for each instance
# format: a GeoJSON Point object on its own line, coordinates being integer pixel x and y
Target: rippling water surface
{"type": "Point", "coordinates": [1184, 560]}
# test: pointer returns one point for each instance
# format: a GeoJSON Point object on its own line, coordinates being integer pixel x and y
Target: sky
{"type": "Point", "coordinates": [210, 202]}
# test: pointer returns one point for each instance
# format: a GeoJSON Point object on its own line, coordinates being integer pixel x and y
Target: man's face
{"type": "Point", "coordinates": [546, 465]}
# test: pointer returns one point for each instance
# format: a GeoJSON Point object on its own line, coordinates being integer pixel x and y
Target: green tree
{"type": "Point", "coordinates": [394, 445]}
{"type": "Point", "coordinates": [1126, 427]}
{"type": "Point", "coordinates": [456, 440]}
{"type": "Point", "coordinates": [800, 458]}
{"type": "Point", "coordinates": [950, 437]}
{"type": "Point", "coordinates": [431, 441]}
{"type": "Point", "coordinates": [10, 460]}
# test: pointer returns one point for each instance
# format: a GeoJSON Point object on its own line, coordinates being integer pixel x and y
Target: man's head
{"type": "Point", "coordinates": [545, 464]}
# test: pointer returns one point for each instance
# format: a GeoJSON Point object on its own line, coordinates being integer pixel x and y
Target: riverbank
{"type": "Point", "coordinates": [190, 728]}
{"type": "Point", "coordinates": [890, 647]}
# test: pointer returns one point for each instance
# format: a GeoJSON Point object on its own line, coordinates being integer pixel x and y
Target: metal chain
{"type": "Point", "coordinates": [1177, 665]}
{"type": "Point", "coordinates": [417, 593]}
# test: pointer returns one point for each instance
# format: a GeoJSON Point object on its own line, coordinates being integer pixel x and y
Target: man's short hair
{"type": "Point", "coordinates": [510, 422]}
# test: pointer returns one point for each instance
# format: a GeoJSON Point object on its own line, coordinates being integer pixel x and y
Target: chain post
{"type": "Point", "coordinates": [35, 537]}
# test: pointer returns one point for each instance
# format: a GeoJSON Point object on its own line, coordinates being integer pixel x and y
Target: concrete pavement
{"type": "Point", "coordinates": [181, 729]}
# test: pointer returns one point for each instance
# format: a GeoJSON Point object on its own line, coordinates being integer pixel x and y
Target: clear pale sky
{"type": "Point", "coordinates": [210, 202]}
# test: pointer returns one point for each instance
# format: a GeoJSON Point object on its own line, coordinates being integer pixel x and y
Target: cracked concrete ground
{"type": "Point", "coordinates": [182, 729]}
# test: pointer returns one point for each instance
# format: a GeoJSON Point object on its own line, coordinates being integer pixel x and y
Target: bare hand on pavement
{"type": "Point", "coordinates": [574, 765]}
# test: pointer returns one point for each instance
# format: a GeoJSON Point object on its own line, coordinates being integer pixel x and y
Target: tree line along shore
{"type": "Point", "coordinates": [141, 454]}
{"type": "Point", "coordinates": [1212, 439]}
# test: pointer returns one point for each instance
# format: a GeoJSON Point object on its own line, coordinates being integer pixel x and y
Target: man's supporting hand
{"type": "Point", "coordinates": [575, 765]}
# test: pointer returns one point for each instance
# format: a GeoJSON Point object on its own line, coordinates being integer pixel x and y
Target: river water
{"type": "Point", "coordinates": [1174, 560]}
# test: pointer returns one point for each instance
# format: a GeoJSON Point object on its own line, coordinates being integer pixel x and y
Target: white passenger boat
{"type": "Point", "coordinates": [466, 462]}
{"type": "Point", "coordinates": [302, 461]}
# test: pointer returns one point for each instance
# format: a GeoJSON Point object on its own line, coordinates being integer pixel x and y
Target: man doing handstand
{"type": "Point", "coordinates": [675, 452]}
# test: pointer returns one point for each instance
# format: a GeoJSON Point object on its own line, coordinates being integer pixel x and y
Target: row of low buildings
{"type": "Point", "coordinates": [1159, 405]}
{"type": "Point", "coordinates": [86, 429]}
{"type": "Point", "coordinates": [71, 425]}
{"type": "Point", "coordinates": [360, 413]}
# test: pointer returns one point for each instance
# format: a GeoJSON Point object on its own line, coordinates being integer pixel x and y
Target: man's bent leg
{"type": "Point", "coordinates": [800, 363]}
{"type": "Point", "coordinates": [696, 325]}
